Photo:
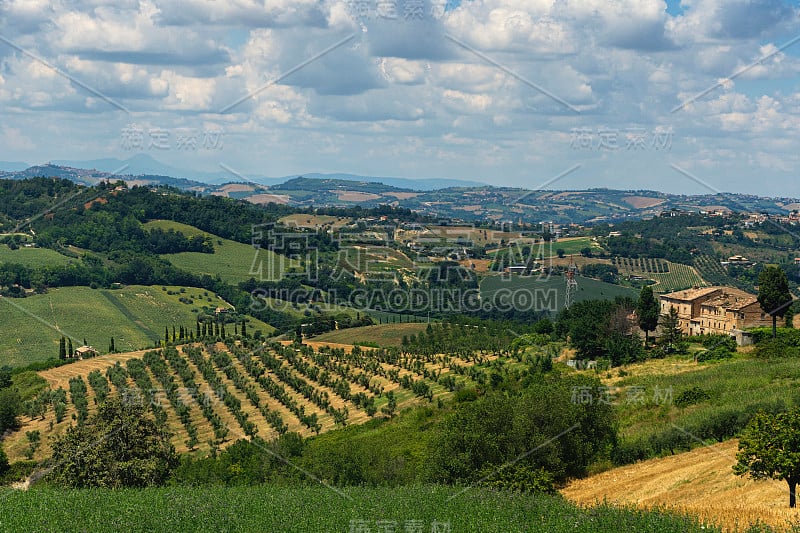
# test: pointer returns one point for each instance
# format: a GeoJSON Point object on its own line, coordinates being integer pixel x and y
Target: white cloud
{"type": "Point", "coordinates": [401, 88]}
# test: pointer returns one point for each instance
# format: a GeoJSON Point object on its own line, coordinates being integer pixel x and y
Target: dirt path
{"type": "Point", "coordinates": [699, 482]}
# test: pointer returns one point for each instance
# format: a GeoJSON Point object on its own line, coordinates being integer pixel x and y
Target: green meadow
{"type": "Point", "coordinates": [547, 292]}
{"type": "Point", "coordinates": [264, 508]}
{"type": "Point", "coordinates": [135, 316]}
{"type": "Point", "coordinates": [233, 261]}
{"type": "Point", "coordinates": [32, 257]}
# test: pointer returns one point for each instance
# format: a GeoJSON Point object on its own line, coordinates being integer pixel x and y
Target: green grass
{"type": "Point", "coordinates": [574, 246]}
{"type": "Point", "coordinates": [135, 316]}
{"type": "Point", "coordinates": [540, 289]}
{"type": "Point", "coordinates": [740, 385]}
{"type": "Point", "coordinates": [177, 509]}
{"type": "Point", "coordinates": [32, 257]}
{"type": "Point", "coordinates": [233, 261]}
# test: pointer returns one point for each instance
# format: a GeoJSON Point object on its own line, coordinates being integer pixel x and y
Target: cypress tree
{"type": "Point", "coordinates": [166, 335]}
{"type": "Point", "coordinates": [244, 329]}
{"type": "Point", "coordinates": [174, 338]}
{"type": "Point", "coordinates": [70, 351]}
{"type": "Point", "coordinates": [62, 348]}
{"type": "Point", "coordinates": [112, 348]}
{"type": "Point", "coordinates": [222, 330]}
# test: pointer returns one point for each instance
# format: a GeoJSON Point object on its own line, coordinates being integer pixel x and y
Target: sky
{"type": "Point", "coordinates": [690, 96]}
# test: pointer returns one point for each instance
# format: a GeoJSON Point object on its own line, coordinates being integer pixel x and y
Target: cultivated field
{"type": "Point", "coordinates": [573, 245]}
{"type": "Point", "coordinates": [135, 316]}
{"type": "Point", "coordinates": [232, 261]}
{"type": "Point", "coordinates": [372, 259]}
{"type": "Point", "coordinates": [32, 257]}
{"type": "Point", "coordinates": [220, 393]}
{"type": "Point", "coordinates": [302, 220]}
{"type": "Point", "coordinates": [668, 276]}
{"type": "Point", "coordinates": [547, 291]}
{"type": "Point", "coordinates": [699, 482]}
{"type": "Point", "coordinates": [382, 335]}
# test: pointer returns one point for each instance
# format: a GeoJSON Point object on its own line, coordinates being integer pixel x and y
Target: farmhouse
{"type": "Point", "coordinates": [715, 310]}
{"type": "Point", "coordinates": [84, 352]}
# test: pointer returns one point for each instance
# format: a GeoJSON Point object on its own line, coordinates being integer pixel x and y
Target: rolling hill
{"type": "Point", "coordinates": [232, 261]}
{"type": "Point", "coordinates": [224, 392]}
{"type": "Point", "coordinates": [547, 292]}
{"type": "Point", "coordinates": [135, 316]}
{"type": "Point", "coordinates": [445, 198]}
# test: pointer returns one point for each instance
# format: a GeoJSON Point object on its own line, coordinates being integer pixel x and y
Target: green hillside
{"type": "Point", "coordinates": [547, 291]}
{"type": "Point", "coordinates": [135, 316]}
{"type": "Point", "coordinates": [32, 257]}
{"type": "Point", "coordinates": [382, 334]}
{"type": "Point", "coordinates": [232, 261]}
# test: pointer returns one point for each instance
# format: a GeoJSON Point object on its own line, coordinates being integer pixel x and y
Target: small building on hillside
{"type": "Point", "coordinates": [715, 310]}
{"type": "Point", "coordinates": [85, 352]}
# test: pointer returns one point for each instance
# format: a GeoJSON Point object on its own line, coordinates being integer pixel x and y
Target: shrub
{"type": "Point", "coordinates": [626, 453]}
{"type": "Point", "coordinates": [691, 396]}
{"type": "Point", "coordinates": [774, 348]}
{"type": "Point", "coordinates": [465, 395]}
{"type": "Point", "coordinates": [715, 354]}
{"type": "Point", "coordinates": [672, 440]}
{"type": "Point", "coordinates": [711, 342]}
{"type": "Point", "coordinates": [519, 478]}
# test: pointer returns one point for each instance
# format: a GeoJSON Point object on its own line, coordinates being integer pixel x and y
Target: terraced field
{"type": "Point", "coordinates": [667, 275]}
{"type": "Point", "coordinates": [213, 394]}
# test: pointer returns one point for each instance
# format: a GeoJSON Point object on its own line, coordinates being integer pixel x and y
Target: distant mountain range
{"type": "Point", "coordinates": [143, 164]}
{"type": "Point", "coordinates": [445, 198]}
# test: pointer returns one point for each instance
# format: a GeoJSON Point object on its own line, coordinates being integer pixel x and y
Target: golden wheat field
{"type": "Point", "coordinates": [699, 482]}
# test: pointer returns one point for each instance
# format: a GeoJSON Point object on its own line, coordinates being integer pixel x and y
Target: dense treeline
{"type": "Point", "coordinates": [22, 199]}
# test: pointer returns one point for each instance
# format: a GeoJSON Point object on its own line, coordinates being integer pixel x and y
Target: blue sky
{"type": "Point", "coordinates": [688, 97]}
